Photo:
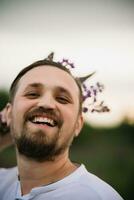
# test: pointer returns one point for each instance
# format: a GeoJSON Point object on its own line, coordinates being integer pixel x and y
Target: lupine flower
{"type": "Point", "coordinates": [89, 92]}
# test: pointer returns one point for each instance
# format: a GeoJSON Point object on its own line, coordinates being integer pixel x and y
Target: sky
{"type": "Point", "coordinates": [95, 35]}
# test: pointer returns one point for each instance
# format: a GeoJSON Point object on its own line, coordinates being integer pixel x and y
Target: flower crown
{"type": "Point", "coordinates": [89, 92]}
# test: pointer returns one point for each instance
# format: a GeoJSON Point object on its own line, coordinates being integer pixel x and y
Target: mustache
{"type": "Point", "coordinates": [47, 112]}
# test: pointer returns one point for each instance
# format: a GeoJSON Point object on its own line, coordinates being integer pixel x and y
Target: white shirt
{"type": "Point", "coordinates": [79, 185]}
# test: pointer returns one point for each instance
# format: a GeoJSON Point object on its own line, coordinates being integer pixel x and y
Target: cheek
{"type": "Point", "coordinates": [70, 115]}
{"type": "Point", "coordinates": [22, 105]}
{"type": "Point", "coordinates": [19, 109]}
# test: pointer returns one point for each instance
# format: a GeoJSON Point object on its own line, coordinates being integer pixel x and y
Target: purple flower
{"type": "Point", "coordinates": [84, 87]}
{"type": "Point", "coordinates": [85, 109]}
{"type": "Point", "coordinates": [72, 65]}
{"type": "Point", "coordinates": [94, 92]}
{"type": "Point", "coordinates": [88, 93]}
{"type": "Point", "coordinates": [84, 97]}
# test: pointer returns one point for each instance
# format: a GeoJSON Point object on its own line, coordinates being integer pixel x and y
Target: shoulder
{"type": "Point", "coordinates": [82, 184]}
{"type": "Point", "coordinates": [8, 176]}
{"type": "Point", "coordinates": [8, 171]}
{"type": "Point", "coordinates": [8, 180]}
{"type": "Point", "coordinates": [89, 186]}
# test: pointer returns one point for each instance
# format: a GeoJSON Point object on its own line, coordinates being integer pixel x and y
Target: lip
{"type": "Point", "coordinates": [42, 126]}
{"type": "Point", "coordinates": [45, 113]}
{"type": "Point", "coordinates": [46, 124]}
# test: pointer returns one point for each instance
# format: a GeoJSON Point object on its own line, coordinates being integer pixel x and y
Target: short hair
{"type": "Point", "coordinates": [44, 62]}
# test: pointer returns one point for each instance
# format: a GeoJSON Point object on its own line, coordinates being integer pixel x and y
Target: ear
{"type": "Point", "coordinates": [8, 113]}
{"type": "Point", "coordinates": [79, 125]}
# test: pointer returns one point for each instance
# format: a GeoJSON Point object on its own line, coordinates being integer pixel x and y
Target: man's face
{"type": "Point", "coordinates": [44, 116]}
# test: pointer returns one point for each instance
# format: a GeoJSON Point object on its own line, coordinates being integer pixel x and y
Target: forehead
{"type": "Point", "coordinates": [49, 76]}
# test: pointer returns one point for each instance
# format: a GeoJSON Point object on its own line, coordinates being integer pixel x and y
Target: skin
{"type": "Point", "coordinates": [58, 91]}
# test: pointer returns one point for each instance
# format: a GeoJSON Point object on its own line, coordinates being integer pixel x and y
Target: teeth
{"type": "Point", "coordinates": [43, 120]}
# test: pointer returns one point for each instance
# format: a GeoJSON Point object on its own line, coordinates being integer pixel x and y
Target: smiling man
{"type": "Point", "coordinates": [44, 115]}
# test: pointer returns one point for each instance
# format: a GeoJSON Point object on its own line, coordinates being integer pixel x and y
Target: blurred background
{"type": "Point", "coordinates": [96, 36]}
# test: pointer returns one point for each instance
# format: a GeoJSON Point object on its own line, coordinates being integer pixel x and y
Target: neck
{"type": "Point", "coordinates": [33, 174]}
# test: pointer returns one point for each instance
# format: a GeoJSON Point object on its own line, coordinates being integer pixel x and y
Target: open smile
{"type": "Point", "coordinates": [43, 120]}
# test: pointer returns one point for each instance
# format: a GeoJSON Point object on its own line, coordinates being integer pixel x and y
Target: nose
{"type": "Point", "coordinates": [47, 100]}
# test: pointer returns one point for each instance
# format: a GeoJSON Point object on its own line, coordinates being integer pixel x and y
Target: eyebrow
{"type": "Point", "coordinates": [58, 88]}
{"type": "Point", "coordinates": [34, 85]}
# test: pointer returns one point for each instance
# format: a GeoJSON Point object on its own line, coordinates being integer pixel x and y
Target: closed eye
{"type": "Point", "coordinates": [63, 100]}
{"type": "Point", "coordinates": [32, 95]}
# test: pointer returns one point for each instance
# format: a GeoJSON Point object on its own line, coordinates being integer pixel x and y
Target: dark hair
{"type": "Point", "coordinates": [39, 63]}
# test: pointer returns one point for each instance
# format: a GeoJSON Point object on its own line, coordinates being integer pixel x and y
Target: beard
{"type": "Point", "coordinates": [37, 145]}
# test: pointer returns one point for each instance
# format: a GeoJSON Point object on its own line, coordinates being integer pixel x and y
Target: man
{"type": "Point", "coordinates": [44, 115]}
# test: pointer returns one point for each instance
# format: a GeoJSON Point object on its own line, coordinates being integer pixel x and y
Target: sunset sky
{"type": "Point", "coordinates": [95, 35]}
